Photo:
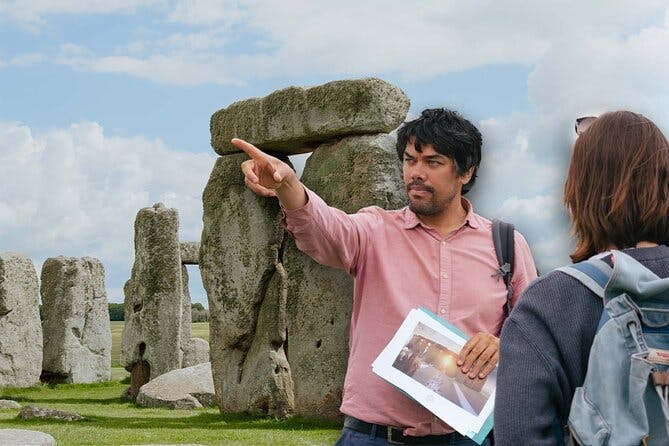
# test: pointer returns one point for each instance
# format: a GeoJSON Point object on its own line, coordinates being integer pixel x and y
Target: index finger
{"type": "Point", "coordinates": [249, 149]}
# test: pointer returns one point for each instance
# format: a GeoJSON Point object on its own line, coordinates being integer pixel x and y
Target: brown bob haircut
{"type": "Point", "coordinates": [617, 187]}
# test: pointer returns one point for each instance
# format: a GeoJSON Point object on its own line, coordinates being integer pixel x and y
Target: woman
{"type": "Point", "coordinates": [617, 193]}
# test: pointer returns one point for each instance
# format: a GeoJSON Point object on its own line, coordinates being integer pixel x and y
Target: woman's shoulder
{"type": "Point", "coordinates": [557, 296]}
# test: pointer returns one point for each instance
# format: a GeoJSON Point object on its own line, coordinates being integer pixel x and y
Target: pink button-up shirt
{"type": "Point", "coordinates": [399, 264]}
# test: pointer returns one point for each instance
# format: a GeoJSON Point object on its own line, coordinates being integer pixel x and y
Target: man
{"type": "Point", "coordinates": [436, 253]}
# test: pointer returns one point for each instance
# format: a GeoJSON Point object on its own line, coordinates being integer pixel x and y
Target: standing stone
{"type": "Point", "coordinates": [77, 331]}
{"type": "Point", "coordinates": [246, 287]}
{"type": "Point", "coordinates": [296, 119]}
{"type": "Point", "coordinates": [20, 327]}
{"type": "Point", "coordinates": [196, 352]}
{"type": "Point", "coordinates": [157, 305]}
{"type": "Point", "coordinates": [349, 174]}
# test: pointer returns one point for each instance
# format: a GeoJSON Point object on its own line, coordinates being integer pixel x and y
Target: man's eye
{"type": "Point", "coordinates": [433, 163]}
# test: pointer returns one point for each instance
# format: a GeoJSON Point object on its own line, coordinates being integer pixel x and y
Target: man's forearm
{"type": "Point", "coordinates": [291, 193]}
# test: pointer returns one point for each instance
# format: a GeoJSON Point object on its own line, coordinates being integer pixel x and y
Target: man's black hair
{"type": "Point", "coordinates": [450, 134]}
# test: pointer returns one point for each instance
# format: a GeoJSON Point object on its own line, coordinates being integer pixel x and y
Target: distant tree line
{"type": "Point", "coordinates": [197, 310]}
{"type": "Point", "coordinates": [116, 312]}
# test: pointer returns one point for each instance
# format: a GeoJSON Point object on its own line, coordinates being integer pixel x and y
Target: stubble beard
{"type": "Point", "coordinates": [431, 206]}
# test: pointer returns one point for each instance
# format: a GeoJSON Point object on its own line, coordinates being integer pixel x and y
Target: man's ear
{"type": "Point", "coordinates": [467, 176]}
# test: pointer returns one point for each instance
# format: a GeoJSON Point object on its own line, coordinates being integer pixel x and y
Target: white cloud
{"type": "Point", "coordinates": [207, 12]}
{"type": "Point", "coordinates": [23, 60]}
{"type": "Point", "coordinates": [542, 207]}
{"type": "Point", "coordinates": [526, 156]}
{"type": "Point", "coordinates": [199, 41]}
{"type": "Point", "coordinates": [237, 41]}
{"type": "Point", "coordinates": [30, 13]}
{"type": "Point", "coordinates": [76, 191]}
{"type": "Point", "coordinates": [186, 69]}
{"type": "Point", "coordinates": [586, 57]}
{"type": "Point", "coordinates": [597, 74]}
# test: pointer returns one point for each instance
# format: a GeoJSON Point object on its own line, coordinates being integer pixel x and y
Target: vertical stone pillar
{"type": "Point", "coordinates": [77, 331]}
{"type": "Point", "coordinates": [20, 327]}
{"type": "Point", "coordinates": [155, 304]}
{"type": "Point", "coordinates": [246, 286]}
{"type": "Point", "coordinates": [349, 174]}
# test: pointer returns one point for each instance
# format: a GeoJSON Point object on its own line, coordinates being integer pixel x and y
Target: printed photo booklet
{"type": "Point", "coordinates": [421, 361]}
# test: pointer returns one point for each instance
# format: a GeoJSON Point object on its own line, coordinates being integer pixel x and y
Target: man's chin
{"type": "Point", "coordinates": [422, 208]}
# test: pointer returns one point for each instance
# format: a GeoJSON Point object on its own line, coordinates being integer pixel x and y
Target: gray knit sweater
{"type": "Point", "coordinates": [545, 344]}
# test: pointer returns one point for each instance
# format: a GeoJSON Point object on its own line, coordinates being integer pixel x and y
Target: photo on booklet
{"type": "Point", "coordinates": [421, 361]}
{"type": "Point", "coordinates": [431, 359]}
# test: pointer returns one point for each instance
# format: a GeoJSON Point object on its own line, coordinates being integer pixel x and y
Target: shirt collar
{"type": "Point", "coordinates": [472, 220]}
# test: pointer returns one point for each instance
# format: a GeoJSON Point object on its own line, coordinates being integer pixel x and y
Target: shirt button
{"type": "Point", "coordinates": [445, 276]}
{"type": "Point", "coordinates": [442, 310]}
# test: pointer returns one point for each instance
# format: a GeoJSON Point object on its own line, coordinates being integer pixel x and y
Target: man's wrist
{"type": "Point", "coordinates": [291, 193]}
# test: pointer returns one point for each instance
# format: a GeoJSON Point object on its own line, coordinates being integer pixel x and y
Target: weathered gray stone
{"type": "Point", "coordinates": [20, 327]}
{"type": "Point", "coordinates": [186, 388]}
{"type": "Point", "coordinates": [77, 332]}
{"type": "Point", "coordinates": [297, 119]}
{"type": "Point", "coordinates": [190, 253]}
{"type": "Point", "coordinates": [186, 316]}
{"type": "Point", "coordinates": [42, 413]}
{"type": "Point", "coordinates": [157, 304]}
{"type": "Point", "coordinates": [246, 287]}
{"type": "Point", "coordinates": [196, 352]}
{"type": "Point", "coordinates": [349, 174]}
{"type": "Point", "coordinates": [9, 404]}
{"type": "Point", "coordinates": [24, 437]}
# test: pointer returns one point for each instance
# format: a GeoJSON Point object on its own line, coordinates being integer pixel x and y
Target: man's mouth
{"type": "Point", "coordinates": [419, 188]}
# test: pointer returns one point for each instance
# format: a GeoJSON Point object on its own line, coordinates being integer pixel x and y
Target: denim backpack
{"type": "Point", "coordinates": [624, 399]}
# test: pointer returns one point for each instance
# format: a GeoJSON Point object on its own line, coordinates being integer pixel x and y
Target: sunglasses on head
{"type": "Point", "coordinates": [583, 123]}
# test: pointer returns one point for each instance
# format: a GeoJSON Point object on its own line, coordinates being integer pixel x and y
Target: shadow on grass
{"type": "Point", "coordinates": [199, 421]}
{"type": "Point", "coordinates": [102, 401]}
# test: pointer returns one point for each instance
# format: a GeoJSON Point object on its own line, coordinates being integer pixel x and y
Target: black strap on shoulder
{"type": "Point", "coordinates": [503, 239]}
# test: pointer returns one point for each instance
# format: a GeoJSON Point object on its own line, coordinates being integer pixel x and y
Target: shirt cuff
{"type": "Point", "coordinates": [295, 219]}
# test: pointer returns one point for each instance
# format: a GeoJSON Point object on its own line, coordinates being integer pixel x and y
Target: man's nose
{"type": "Point", "coordinates": [417, 172]}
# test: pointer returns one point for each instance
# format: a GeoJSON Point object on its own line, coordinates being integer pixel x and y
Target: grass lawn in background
{"type": "Point", "coordinates": [198, 330]}
{"type": "Point", "coordinates": [109, 420]}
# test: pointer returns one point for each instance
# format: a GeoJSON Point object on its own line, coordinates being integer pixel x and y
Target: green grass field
{"type": "Point", "coordinates": [109, 420]}
{"type": "Point", "coordinates": [198, 330]}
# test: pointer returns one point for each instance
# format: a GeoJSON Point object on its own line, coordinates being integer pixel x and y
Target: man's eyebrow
{"type": "Point", "coordinates": [435, 156]}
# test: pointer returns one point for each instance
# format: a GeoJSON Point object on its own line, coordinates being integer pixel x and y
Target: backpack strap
{"type": "Point", "coordinates": [593, 273]}
{"type": "Point", "coordinates": [503, 239]}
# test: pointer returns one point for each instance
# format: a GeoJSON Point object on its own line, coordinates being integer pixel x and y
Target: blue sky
{"type": "Point", "coordinates": [105, 106]}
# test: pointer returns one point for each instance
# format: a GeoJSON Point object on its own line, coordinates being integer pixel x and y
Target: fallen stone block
{"type": "Point", "coordinates": [296, 119]}
{"type": "Point", "coordinates": [187, 388]}
{"type": "Point", "coordinates": [24, 437]}
{"type": "Point", "coordinates": [41, 413]}
{"type": "Point", "coordinates": [9, 404]}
